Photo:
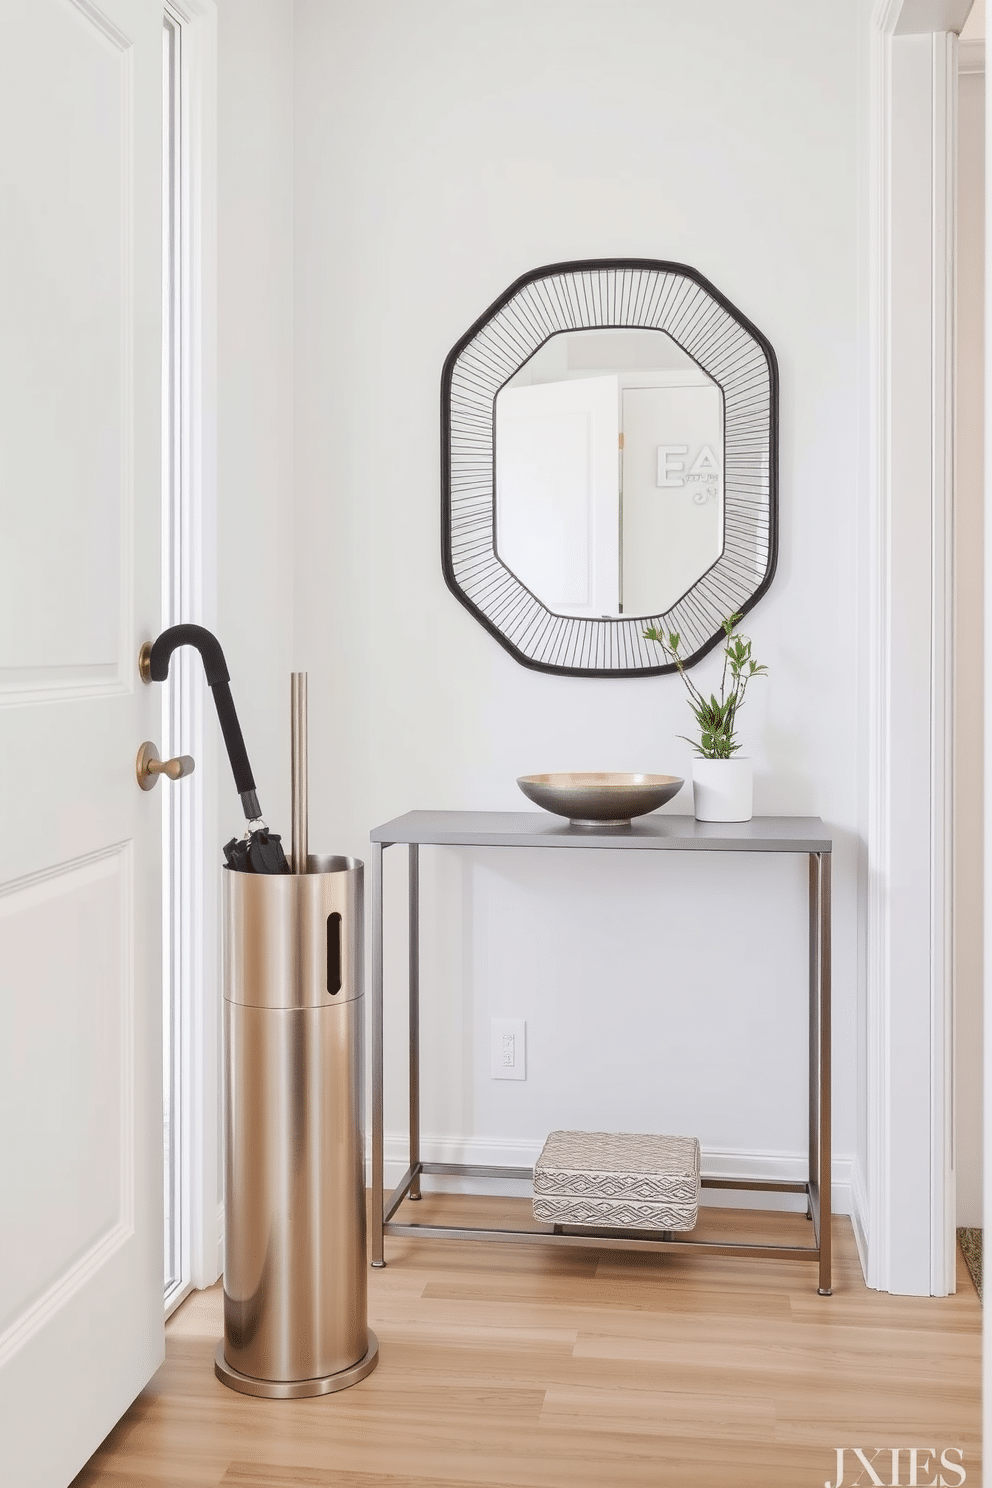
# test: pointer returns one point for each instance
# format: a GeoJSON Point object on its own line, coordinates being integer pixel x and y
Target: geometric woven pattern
{"type": "Point", "coordinates": [626, 1179]}
{"type": "Point", "coordinates": [622, 1214]}
{"type": "Point", "coordinates": [639, 293]}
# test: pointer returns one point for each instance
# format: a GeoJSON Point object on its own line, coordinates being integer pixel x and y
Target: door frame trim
{"type": "Point", "coordinates": [907, 1225]}
{"type": "Point", "coordinates": [190, 595]}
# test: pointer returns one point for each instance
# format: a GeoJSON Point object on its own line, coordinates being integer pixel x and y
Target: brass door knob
{"type": "Point", "coordinates": [148, 767]}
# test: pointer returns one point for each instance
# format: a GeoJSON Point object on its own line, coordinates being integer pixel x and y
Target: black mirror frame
{"type": "Point", "coordinates": [608, 293]}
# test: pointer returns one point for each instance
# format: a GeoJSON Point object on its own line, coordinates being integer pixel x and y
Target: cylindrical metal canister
{"type": "Point", "coordinates": [295, 1302]}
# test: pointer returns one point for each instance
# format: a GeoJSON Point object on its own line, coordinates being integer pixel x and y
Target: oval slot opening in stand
{"type": "Point", "coordinates": [334, 953]}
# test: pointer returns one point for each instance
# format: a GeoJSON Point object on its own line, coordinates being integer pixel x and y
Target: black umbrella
{"type": "Point", "coordinates": [259, 850]}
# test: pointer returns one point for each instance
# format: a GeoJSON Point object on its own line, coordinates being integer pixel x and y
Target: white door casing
{"type": "Point", "coordinates": [81, 1325]}
{"type": "Point", "coordinates": [193, 896]}
{"type": "Point", "coordinates": [904, 1212]}
{"type": "Point", "coordinates": [969, 740]}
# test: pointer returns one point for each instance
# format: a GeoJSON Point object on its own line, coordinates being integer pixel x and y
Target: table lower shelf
{"type": "Point", "coordinates": [598, 1236]}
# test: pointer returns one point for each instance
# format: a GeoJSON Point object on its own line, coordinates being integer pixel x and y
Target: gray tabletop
{"type": "Point", "coordinates": [658, 832]}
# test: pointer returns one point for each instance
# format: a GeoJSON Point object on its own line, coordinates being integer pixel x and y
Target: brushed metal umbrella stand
{"type": "Point", "coordinates": [295, 1297]}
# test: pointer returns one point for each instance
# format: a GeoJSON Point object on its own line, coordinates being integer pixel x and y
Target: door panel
{"type": "Point", "coordinates": [79, 143]}
{"type": "Point", "coordinates": [81, 1327]}
{"type": "Point", "coordinates": [67, 1185]}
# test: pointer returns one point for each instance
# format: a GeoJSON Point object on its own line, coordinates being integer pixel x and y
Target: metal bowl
{"type": "Point", "coordinates": [599, 798]}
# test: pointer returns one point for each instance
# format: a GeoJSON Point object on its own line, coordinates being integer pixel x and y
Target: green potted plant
{"type": "Point", "coordinates": [722, 781]}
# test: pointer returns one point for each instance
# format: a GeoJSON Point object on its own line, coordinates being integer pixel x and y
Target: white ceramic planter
{"type": "Point", "coordinates": [722, 789]}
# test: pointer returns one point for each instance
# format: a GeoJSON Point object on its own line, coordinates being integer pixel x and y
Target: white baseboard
{"type": "Point", "coordinates": [859, 1213]}
{"type": "Point", "coordinates": [784, 1167]}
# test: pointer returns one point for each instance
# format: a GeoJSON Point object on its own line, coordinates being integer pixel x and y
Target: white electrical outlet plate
{"type": "Point", "coordinates": [508, 1049]}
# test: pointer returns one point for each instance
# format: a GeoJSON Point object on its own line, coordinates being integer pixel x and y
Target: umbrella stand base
{"type": "Point", "coordinates": [296, 1389]}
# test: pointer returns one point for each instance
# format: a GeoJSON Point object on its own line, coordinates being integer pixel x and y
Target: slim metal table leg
{"type": "Point", "coordinates": [824, 927]}
{"type": "Point", "coordinates": [813, 1039]}
{"type": "Point", "coordinates": [376, 1236]}
{"type": "Point", "coordinates": [414, 983]}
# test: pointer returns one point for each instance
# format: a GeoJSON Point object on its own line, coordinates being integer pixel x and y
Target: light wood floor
{"type": "Point", "coordinates": [515, 1365]}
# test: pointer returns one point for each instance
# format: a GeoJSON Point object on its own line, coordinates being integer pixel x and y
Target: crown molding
{"type": "Point", "coordinates": [924, 17]}
{"type": "Point", "coordinates": [971, 55]}
{"type": "Point", "coordinates": [920, 17]}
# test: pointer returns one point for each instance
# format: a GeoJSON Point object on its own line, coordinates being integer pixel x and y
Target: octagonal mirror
{"type": "Point", "coordinates": [609, 464]}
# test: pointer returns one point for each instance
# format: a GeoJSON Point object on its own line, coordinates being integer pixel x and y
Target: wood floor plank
{"type": "Point", "coordinates": [914, 1314]}
{"type": "Point", "coordinates": [711, 1415]}
{"type": "Point", "coordinates": [647, 1296]}
{"type": "Point", "coordinates": [849, 1339]}
{"type": "Point", "coordinates": [269, 1475]}
{"type": "Point", "coordinates": [872, 1349]}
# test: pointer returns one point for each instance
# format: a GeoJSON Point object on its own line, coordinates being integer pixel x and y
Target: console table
{"type": "Point", "coordinates": [664, 833]}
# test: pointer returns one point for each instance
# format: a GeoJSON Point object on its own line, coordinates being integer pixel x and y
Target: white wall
{"type": "Point", "coordinates": [254, 448]}
{"type": "Point", "coordinates": [442, 150]}
{"type": "Point", "coordinates": [255, 388]}
{"type": "Point", "coordinates": [974, 27]}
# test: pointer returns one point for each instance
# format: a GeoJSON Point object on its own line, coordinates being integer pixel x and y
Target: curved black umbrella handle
{"type": "Point", "coordinates": [218, 679]}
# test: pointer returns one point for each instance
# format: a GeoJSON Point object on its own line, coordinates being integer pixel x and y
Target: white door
{"type": "Point", "coordinates": [81, 1327]}
{"type": "Point", "coordinates": [558, 492]}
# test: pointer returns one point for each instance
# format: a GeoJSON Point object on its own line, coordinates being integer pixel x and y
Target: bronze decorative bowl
{"type": "Point", "coordinates": [599, 798]}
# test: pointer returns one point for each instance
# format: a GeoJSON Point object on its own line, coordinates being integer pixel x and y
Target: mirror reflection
{"type": "Point", "coordinates": [609, 473]}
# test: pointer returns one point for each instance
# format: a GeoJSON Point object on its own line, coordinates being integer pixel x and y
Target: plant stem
{"type": "Point", "coordinates": [716, 717]}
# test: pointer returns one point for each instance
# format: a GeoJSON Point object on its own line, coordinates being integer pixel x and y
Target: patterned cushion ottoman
{"type": "Point", "coordinates": [623, 1179]}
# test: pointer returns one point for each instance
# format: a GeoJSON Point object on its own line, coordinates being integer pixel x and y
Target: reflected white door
{"type": "Point", "coordinates": [557, 492]}
{"type": "Point", "coordinates": [81, 1326]}
{"type": "Point", "coordinates": [672, 492]}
